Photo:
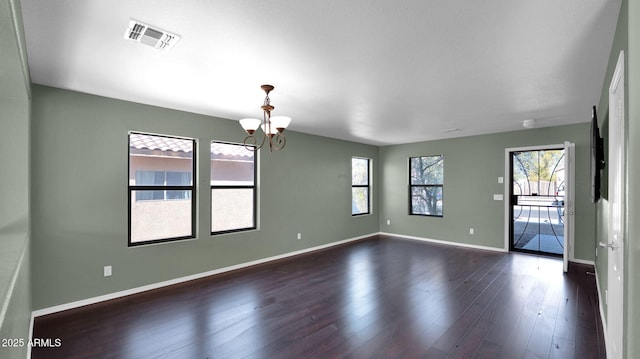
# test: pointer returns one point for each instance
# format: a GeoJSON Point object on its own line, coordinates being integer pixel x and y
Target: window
{"type": "Point", "coordinates": [360, 189]}
{"type": "Point", "coordinates": [233, 188]}
{"type": "Point", "coordinates": [162, 178]}
{"type": "Point", "coordinates": [426, 178]}
{"type": "Point", "coordinates": [161, 188]}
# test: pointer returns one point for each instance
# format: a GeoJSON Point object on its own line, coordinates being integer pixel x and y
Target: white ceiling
{"type": "Point", "coordinates": [371, 71]}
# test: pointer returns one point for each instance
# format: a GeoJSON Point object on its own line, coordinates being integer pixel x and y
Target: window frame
{"type": "Point", "coordinates": [165, 193]}
{"type": "Point", "coordinates": [426, 185]}
{"type": "Point", "coordinates": [132, 188]}
{"type": "Point", "coordinates": [367, 186]}
{"type": "Point", "coordinates": [254, 187]}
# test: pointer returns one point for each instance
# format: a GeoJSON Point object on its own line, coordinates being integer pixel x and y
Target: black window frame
{"type": "Point", "coordinates": [254, 187]}
{"type": "Point", "coordinates": [367, 186]}
{"type": "Point", "coordinates": [133, 188]}
{"type": "Point", "coordinates": [426, 185]}
{"type": "Point", "coordinates": [166, 195]}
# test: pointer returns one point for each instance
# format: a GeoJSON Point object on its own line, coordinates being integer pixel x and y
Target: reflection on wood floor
{"type": "Point", "coordinates": [382, 297]}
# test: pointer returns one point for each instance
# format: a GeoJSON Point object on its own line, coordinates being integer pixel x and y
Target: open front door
{"type": "Point", "coordinates": [537, 200]}
{"type": "Point", "coordinates": [568, 208]}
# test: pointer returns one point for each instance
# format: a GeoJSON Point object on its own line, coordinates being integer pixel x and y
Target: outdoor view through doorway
{"type": "Point", "coordinates": [537, 201]}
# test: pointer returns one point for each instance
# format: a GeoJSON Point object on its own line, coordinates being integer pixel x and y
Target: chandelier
{"type": "Point", "coordinates": [272, 127]}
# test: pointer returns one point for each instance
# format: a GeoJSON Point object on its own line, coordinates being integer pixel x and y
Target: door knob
{"type": "Point", "coordinates": [609, 245]}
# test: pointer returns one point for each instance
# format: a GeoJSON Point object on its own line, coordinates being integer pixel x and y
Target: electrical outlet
{"type": "Point", "coordinates": [388, 222]}
{"type": "Point", "coordinates": [107, 271]}
{"type": "Point", "coordinates": [299, 235]}
{"type": "Point", "coordinates": [471, 231]}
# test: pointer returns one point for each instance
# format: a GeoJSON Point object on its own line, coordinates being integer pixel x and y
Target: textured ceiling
{"type": "Point", "coordinates": [378, 72]}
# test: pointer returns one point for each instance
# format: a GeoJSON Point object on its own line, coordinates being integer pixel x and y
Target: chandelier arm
{"type": "Point", "coordinates": [251, 142]}
{"type": "Point", "coordinates": [278, 141]}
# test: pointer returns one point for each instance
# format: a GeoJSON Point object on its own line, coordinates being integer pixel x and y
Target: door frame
{"type": "Point", "coordinates": [569, 240]}
{"type": "Point", "coordinates": [614, 331]}
{"type": "Point", "coordinates": [569, 203]}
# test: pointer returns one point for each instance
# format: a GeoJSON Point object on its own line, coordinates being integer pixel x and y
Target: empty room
{"type": "Point", "coordinates": [245, 179]}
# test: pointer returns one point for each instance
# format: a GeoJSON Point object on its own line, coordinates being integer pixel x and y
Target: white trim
{"type": "Point", "coordinates": [570, 148]}
{"type": "Point", "coordinates": [12, 285]}
{"type": "Point", "coordinates": [618, 199]}
{"type": "Point", "coordinates": [602, 318]}
{"type": "Point", "coordinates": [455, 244]}
{"type": "Point", "coordinates": [123, 293]}
{"type": "Point", "coordinates": [618, 73]}
{"type": "Point", "coordinates": [507, 197]}
{"type": "Point", "coordinates": [472, 246]}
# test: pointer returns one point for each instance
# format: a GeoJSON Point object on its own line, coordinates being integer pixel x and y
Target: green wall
{"type": "Point", "coordinates": [15, 286]}
{"type": "Point", "coordinates": [602, 222]}
{"type": "Point", "coordinates": [627, 38]}
{"type": "Point", "coordinates": [79, 166]}
{"type": "Point", "coordinates": [472, 166]}
{"type": "Point", "coordinates": [79, 192]}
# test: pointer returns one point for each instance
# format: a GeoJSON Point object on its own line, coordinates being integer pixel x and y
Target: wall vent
{"type": "Point", "coordinates": [151, 35]}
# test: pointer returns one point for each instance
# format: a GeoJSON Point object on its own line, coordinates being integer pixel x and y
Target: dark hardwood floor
{"type": "Point", "coordinates": [378, 298]}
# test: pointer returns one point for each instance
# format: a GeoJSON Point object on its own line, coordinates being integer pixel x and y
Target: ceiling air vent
{"type": "Point", "coordinates": [150, 35]}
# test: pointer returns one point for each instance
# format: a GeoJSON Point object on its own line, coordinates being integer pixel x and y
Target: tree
{"type": "Point", "coordinates": [427, 176]}
{"type": "Point", "coordinates": [533, 169]}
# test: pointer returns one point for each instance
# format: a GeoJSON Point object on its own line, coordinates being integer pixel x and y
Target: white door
{"type": "Point", "coordinates": [569, 168]}
{"type": "Point", "coordinates": [615, 245]}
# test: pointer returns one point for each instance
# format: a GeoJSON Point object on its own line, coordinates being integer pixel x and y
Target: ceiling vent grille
{"type": "Point", "coordinates": [150, 35]}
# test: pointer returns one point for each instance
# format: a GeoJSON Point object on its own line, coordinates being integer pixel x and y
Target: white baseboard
{"type": "Point", "coordinates": [103, 298]}
{"type": "Point", "coordinates": [456, 244]}
{"type": "Point", "coordinates": [106, 297]}
{"type": "Point", "coordinates": [601, 309]}
{"type": "Point", "coordinates": [12, 284]}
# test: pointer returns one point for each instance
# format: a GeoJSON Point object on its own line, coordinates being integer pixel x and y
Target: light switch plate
{"type": "Point", "coordinates": [498, 197]}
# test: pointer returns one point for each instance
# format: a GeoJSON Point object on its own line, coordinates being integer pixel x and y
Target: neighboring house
{"type": "Point", "coordinates": [158, 161]}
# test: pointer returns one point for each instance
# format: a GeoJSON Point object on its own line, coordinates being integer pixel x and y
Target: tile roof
{"type": "Point", "coordinates": [151, 142]}
{"type": "Point", "coordinates": [228, 150]}
{"type": "Point", "coordinates": [163, 143]}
